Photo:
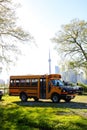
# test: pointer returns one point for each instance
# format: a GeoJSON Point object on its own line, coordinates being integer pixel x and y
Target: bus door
{"type": "Point", "coordinates": [42, 88]}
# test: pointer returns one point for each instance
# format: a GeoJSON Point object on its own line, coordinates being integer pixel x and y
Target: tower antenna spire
{"type": "Point", "coordinates": [49, 60]}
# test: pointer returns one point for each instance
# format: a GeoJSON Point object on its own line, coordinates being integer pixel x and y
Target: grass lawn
{"type": "Point", "coordinates": [43, 115]}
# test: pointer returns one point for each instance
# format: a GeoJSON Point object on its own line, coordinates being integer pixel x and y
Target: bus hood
{"type": "Point", "coordinates": [69, 89]}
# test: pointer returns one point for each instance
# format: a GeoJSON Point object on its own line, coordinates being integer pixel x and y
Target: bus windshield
{"type": "Point", "coordinates": [57, 82]}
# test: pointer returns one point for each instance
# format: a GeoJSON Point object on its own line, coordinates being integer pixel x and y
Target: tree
{"type": "Point", "coordinates": [10, 33]}
{"type": "Point", "coordinates": [72, 42]}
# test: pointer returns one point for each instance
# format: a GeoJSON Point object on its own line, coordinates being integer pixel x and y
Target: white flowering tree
{"type": "Point", "coordinates": [10, 33]}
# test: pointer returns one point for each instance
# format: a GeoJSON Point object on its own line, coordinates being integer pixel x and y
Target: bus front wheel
{"type": "Point", "coordinates": [55, 98]}
{"type": "Point", "coordinates": [23, 97]}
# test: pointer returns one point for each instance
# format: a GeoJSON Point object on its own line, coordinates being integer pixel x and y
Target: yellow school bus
{"type": "Point", "coordinates": [40, 87]}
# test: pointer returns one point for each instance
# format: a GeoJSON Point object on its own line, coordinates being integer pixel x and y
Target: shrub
{"type": "Point", "coordinates": [84, 86]}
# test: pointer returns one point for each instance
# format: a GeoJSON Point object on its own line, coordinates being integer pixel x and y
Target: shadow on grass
{"type": "Point", "coordinates": [73, 105]}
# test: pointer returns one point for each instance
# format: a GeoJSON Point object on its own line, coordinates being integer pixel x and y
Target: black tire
{"type": "Point", "coordinates": [55, 98]}
{"type": "Point", "coordinates": [23, 97]}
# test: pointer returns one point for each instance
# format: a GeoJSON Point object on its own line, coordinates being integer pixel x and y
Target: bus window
{"type": "Point", "coordinates": [57, 82]}
{"type": "Point", "coordinates": [17, 82]}
{"type": "Point", "coordinates": [12, 83]}
{"type": "Point", "coordinates": [34, 83]}
{"type": "Point", "coordinates": [28, 82]}
{"type": "Point", "coordinates": [22, 82]}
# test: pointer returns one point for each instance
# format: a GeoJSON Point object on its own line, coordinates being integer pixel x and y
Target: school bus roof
{"type": "Point", "coordinates": [25, 76]}
{"type": "Point", "coordinates": [35, 76]}
{"type": "Point", "coordinates": [54, 76]}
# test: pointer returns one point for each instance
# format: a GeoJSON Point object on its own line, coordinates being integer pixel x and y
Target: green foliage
{"type": "Point", "coordinates": [32, 115]}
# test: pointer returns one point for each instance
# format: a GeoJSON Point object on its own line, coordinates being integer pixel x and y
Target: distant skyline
{"type": "Point", "coordinates": [43, 18]}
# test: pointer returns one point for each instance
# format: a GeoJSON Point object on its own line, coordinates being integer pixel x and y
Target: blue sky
{"type": "Point", "coordinates": [47, 16]}
{"type": "Point", "coordinates": [53, 13]}
{"type": "Point", "coordinates": [43, 18]}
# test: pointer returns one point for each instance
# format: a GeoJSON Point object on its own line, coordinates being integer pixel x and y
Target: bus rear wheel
{"type": "Point", "coordinates": [55, 98]}
{"type": "Point", "coordinates": [23, 97]}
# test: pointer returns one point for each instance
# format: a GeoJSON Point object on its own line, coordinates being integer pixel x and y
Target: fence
{"type": "Point", "coordinates": [5, 89]}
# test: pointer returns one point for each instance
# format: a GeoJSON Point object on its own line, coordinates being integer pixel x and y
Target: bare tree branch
{"type": "Point", "coordinates": [10, 32]}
